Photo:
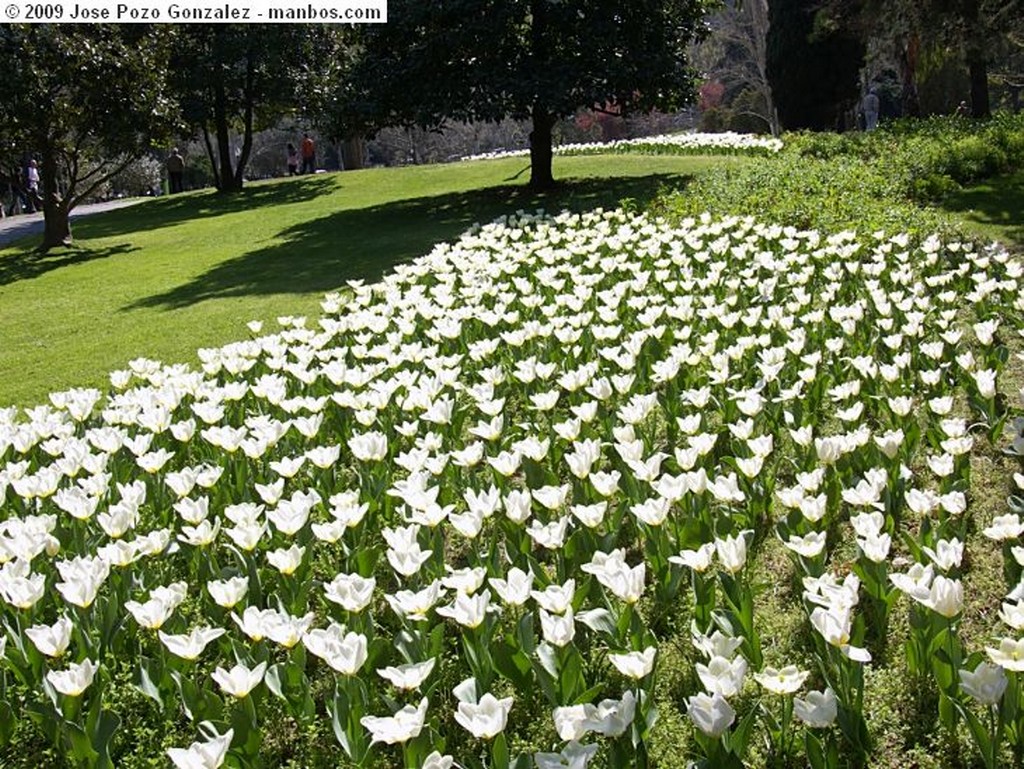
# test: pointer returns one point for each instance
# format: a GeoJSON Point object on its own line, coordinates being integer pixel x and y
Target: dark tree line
{"type": "Point", "coordinates": [817, 49]}
{"type": "Point", "coordinates": [814, 61]}
{"type": "Point", "coordinates": [243, 78]}
{"type": "Point", "coordinates": [88, 99]}
{"type": "Point", "coordinates": [535, 60]}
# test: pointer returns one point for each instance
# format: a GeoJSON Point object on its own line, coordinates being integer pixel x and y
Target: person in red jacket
{"type": "Point", "coordinates": [308, 155]}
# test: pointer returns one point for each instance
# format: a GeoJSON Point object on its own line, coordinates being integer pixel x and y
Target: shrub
{"type": "Point", "coordinates": [140, 178]}
{"type": "Point", "coordinates": [865, 181]}
{"type": "Point", "coordinates": [807, 193]}
{"type": "Point", "coordinates": [973, 158]}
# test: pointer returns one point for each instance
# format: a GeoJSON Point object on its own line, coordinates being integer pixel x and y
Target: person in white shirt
{"type": "Point", "coordinates": [32, 186]}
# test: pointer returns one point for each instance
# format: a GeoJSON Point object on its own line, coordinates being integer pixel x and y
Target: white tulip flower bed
{"type": "Point", "coordinates": [696, 143]}
{"type": "Point", "coordinates": [451, 515]}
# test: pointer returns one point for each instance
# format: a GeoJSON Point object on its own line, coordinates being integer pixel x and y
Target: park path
{"type": "Point", "coordinates": [14, 227]}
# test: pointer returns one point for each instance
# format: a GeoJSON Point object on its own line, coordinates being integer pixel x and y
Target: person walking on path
{"type": "Point", "coordinates": [293, 160]}
{"type": "Point", "coordinates": [308, 155]}
{"type": "Point", "coordinates": [870, 107]}
{"type": "Point", "coordinates": [176, 171]}
{"type": "Point", "coordinates": [35, 203]}
{"type": "Point", "coordinates": [7, 188]}
{"type": "Point", "coordinates": [19, 203]}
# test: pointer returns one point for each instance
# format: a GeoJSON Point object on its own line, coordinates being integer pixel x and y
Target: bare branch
{"type": "Point", "coordinates": [99, 181]}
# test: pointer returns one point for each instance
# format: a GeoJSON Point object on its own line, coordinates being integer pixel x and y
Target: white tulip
{"type": "Point", "coordinates": [75, 680]}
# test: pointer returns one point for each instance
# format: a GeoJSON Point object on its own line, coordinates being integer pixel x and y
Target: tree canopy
{"type": "Point", "coordinates": [527, 59]}
{"type": "Point", "coordinates": [87, 99]}
{"type": "Point", "coordinates": [241, 78]}
{"type": "Point", "coordinates": [813, 62]}
{"type": "Point", "coordinates": [919, 38]}
{"type": "Point", "coordinates": [734, 58]}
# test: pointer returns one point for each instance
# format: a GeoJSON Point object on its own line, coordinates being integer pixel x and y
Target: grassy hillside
{"type": "Point", "coordinates": [993, 209]}
{"type": "Point", "coordinates": [168, 276]}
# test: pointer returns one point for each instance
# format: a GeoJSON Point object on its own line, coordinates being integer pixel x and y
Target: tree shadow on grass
{"type": "Point", "coordinates": [996, 203]}
{"type": "Point", "coordinates": [205, 204]}
{"type": "Point", "coordinates": [320, 255]}
{"type": "Point", "coordinates": [29, 262]}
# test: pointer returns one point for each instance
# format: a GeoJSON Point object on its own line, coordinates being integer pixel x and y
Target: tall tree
{"type": "Point", "coordinates": [975, 45]}
{"type": "Point", "coordinates": [536, 60]}
{"type": "Point", "coordinates": [915, 34]}
{"type": "Point", "coordinates": [241, 78]}
{"type": "Point", "coordinates": [736, 54]}
{"type": "Point", "coordinates": [88, 99]}
{"type": "Point", "coordinates": [977, 27]}
{"type": "Point", "coordinates": [1008, 70]}
{"type": "Point", "coordinates": [813, 62]}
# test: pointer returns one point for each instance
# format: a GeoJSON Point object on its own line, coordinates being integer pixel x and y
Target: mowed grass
{"type": "Point", "coordinates": [169, 276]}
{"type": "Point", "coordinates": [993, 209]}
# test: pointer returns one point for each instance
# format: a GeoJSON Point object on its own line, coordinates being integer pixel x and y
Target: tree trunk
{"type": "Point", "coordinates": [978, 70]}
{"type": "Point", "coordinates": [226, 181]}
{"type": "Point", "coordinates": [541, 177]}
{"type": "Point", "coordinates": [908, 56]}
{"type": "Point", "coordinates": [540, 137]}
{"type": "Point", "coordinates": [243, 157]}
{"type": "Point", "coordinates": [57, 226]}
{"type": "Point", "coordinates": [977, 64]}
{"type": "Point", "coordinates": [353, 153]}
{"type": "Point", "coordinates": [211, 155]}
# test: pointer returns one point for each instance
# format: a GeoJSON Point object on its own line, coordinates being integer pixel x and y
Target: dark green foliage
{"type": "Point", "coordinates": [813, 63]}
{"type": "Point", "coordinates": [243, 78]}
{"type": "Point", "coordinates": [928, 159]}
{"type": "Point", "coordinates": [86, 99]}
{"type": "Point", "coordinates": [942, 51]}
{"type": "Point", "coordinates": [526, 59]}
{"type": "Point", "coordinates": [806, 193]}
{"type": "Point", "coordinates": [885, 180]}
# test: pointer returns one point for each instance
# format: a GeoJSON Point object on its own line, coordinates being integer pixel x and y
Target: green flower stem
{"type": "Point", "coordinates": [704, 600]}
{"type": "Point", "coordinates": [785, 737]}
{"type": "Point", "coordinates": [991, 752]}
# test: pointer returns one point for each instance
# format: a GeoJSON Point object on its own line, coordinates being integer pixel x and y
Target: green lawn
{"type": "Point", "coordinates": [168, 276]}
{"type": "Point", "coordinates": [993, 209]}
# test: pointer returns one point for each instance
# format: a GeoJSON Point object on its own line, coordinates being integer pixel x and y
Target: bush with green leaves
{"type": "Point", "coordinates": [914, 153]}
{"type": "Point", "coordinates": [807, 193]}
{"type": "Point", "coordinates": [884, 180]}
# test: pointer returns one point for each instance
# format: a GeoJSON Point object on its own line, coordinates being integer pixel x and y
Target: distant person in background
{"type": "Point", "coordinates": [18, 201]}
{"type": "Point", "coordinates": [32, 186]}
{"type": "Point", "coordinates": [293, 160]}
{"type": "Point", "coordinates": [308, 155]}
{"type": "Point", "coordinates": [870, 108]}
{"type": "Point", "coordinates": [962, 110]}
{"type": "Point", "coordinates": [176, 172]}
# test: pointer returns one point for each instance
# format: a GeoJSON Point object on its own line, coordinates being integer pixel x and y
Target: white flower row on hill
{"type": "Point", "coordinates": [727, 142]}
